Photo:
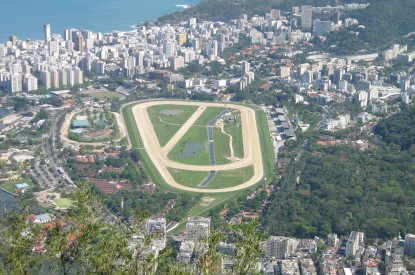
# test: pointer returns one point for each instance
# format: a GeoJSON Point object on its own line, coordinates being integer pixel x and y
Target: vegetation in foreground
{"type": "Point", "coordinates": [86, 244]}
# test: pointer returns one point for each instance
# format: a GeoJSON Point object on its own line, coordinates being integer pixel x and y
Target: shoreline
{"type": "Point", "coordinates": [34, 32]}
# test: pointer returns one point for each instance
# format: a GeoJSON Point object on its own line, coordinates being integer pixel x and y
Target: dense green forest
{"type": "Point", "coordinates": [385, 22]}
{"type": "Point", "coordinates": [342, 189]}
{"type": "Point", "coordinates": [398, 129]}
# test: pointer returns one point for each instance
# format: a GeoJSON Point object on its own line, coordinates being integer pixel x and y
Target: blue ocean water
{"type": "Point", "coordinates": [25, 18]}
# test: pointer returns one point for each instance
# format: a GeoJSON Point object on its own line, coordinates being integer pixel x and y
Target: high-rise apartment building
{"type": "Point", "coordinates": [16, 83]}
{"type": "Point", "coordinates": [306, 16]}
{"type": "Point", "coordinates": [78, 76]}
{"type": "Point", "coordinates": [197, 228]}
{"type": "Point", "coordinates": [355, 241]}
{"type": "Point", "coordinates": [13, 39]}
{"type": "Point", "coordinates": [332, 239]}
{"type": "Point", "coordinates": [245, 67]}
{"type": "Point", "coordinates": [3, 51]}
{"type": "Point", "coordinates": [54, 79]}
{"type": "Point", "coordinates": [409, 245]}
{"type": "Point", "coordinates": [53, 47]}
{"type": "Point", "coordinates": [31, 83]}
{"type": "Point", "coordinates": [45, 79]}
{"type": "Point", "coordinates": [280, 247]}
{"type": "Point", "coordinates": [46, 32]}
{"type": "Point", "coordinates": [63, 77]}
{"type": "Point", "coordinates": [79, 43]}
{"type": "Point", "coordinates": [169, 47]}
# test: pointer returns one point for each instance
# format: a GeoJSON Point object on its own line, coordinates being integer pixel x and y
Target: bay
{"type": "Point", "coordinates": [25, 18]}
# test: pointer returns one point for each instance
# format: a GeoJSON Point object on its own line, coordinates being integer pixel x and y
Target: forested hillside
{"type": "Point", "coordinates": [398, 129]}
{"type": "Point", "coordinates": [385, 21]}
{"type": "Point", "coordinates": [342, 189]}
{"type": "Point", "coordinates": [225, 10]}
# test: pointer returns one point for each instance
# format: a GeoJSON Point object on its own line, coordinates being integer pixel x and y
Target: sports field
{"type": "Point", "coordinates": [64, 202]}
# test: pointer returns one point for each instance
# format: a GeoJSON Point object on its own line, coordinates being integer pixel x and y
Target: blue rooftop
{"type": "Point", "coordinates": [22, 185]}
{"type": "Point", "coordinates": [80, 123]}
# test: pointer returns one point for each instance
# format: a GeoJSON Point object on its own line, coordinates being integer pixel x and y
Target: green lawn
{"type": "Point", "coordinates": [235, 130]}
{"type": "Point", "coordinates": [196, 134]}
{"type": "Point", "coordinates": [267, 148]}
{"type": "Point", "coordinates": [64, 202]}
{"type": "Point", "coordinates": [219, 199]}
{"type": "Point", "coordinates": [224, 179]}
{"type": "Point", "coordinates": [105, 95]}
{"type": "Point", "coordinates": [188, 178]}
{"type": "Point", "coordinates": [202, 209]}
{"type": "Point", "coordinates": [11, 185]}
{"type": "Point", "coordinates": [221, 146]}
{"type": "Point", "coordinates": [152, 172]}
{"type": "Point", "coordinates": [209, 114]}
{"type": "Point", "coordinates": [165, 125]}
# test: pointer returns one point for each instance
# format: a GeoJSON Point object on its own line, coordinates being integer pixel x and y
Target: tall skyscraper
{"type": "Point", "coordinates": [306, 16]}
{"type": "Point", "coordinates": [46, 32]}
{"type": "Point", "coordinates": [31, 83]}
{"type": "Point", "coordinates": [54, 79]}
{"type": "Point", "coordinates": [45, 79]}
{"type": "Point", "coordinates": [16, 83]}
{"type": "Point", "coordinates": [79, 43]}
{"type": "Point", "coordinates": [53, 47]}
{"type": "Point", "coordinates": [245, 67]}
{"type": "Point", "coordinates": [78, 76]}
{"type": "Point", "coordinates": [409, 245]}
{"type": "Point", "coordinates": [169, 47]}
{"type": "Point", "coordinates": [139, 59]}
{"type": "Point", "coordinates": [68, 34]}
{"type": "Point", "coordinates": [3, 51]}
{"type": "Point", "coordinates": [63, 77]}
{"type": "Point", "coordinates": [13, 39]}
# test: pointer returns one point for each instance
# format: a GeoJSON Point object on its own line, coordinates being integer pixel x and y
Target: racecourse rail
{"type": "Point", "coordinates": [158, 155]}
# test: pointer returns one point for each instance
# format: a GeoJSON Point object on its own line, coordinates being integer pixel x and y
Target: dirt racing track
{"type": "Point", "coordinates": [158, 154]}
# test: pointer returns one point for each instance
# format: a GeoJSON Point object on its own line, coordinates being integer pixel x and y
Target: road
{"type": "Point", "coordinates": [49, 153]}
{"type": "Point", "coordinates": [251, 144]}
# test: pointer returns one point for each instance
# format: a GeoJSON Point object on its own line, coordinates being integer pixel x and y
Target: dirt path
{"type": "Point", "coordinates": [251, 144]}
{"type": "Point", "coordinates": [222, 129]}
